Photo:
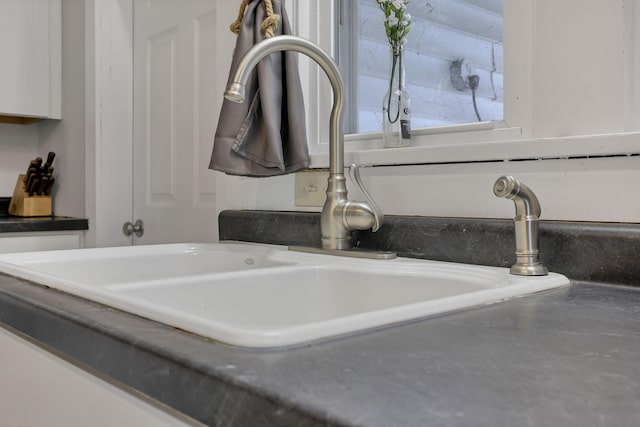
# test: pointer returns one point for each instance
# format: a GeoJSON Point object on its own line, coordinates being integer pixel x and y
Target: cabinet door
{"type": "Point", "coordinates": [40, 241]}
{"type": "Point", "coordinates": [30, 38]}
{"type": "Point", "coordinates": [39, 388]}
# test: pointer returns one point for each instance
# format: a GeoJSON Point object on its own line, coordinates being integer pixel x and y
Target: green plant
{"type": "Point", "coordinates": [397, 22]}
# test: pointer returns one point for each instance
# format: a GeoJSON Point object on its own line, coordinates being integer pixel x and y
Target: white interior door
{"type": "Point", "coordinates": [177, 97]}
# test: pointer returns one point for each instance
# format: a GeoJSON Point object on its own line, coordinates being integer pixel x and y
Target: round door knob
{"type": "Point", "coordinates": [138, 228]}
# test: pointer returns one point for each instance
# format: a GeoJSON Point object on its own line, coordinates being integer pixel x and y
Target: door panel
{"type": "Point", "coordinates": [176, 105]}
{"type": "Point", "coordinates": [161, 120]}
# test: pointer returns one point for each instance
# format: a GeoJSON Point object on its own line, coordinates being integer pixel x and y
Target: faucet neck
{"type": "Point", "coordinates": [339, 215]}
{"type": "Point", "coordinates": [317, 54]}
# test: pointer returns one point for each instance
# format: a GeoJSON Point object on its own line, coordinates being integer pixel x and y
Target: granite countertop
{"type": "Point", "coordinates": [14, 224]}
{"type": "Point", "coordinates": [566, 357]}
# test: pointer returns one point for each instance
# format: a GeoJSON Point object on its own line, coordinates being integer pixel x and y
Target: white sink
{"type": "Point", "coordinates": [265, 296]}
{"type": "Point", "coordinates": [110, 266]}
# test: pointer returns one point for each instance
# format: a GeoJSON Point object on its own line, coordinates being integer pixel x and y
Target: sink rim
{"type": "Point", "coordinates": [308, 332]}
{"type": "Point", "coordinates": [25, 268]}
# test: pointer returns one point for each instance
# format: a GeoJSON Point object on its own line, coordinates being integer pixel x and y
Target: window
{"type": "Point", "coordinates": [558, 102]}
{"type": "Point", "coordinates": [452, 44]}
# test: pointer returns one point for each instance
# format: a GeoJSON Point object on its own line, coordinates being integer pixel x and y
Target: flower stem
{"type": "Point", "coordinates": [397, 60]}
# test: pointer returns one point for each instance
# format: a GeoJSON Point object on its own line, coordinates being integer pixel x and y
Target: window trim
{"type": "Point", "coordinates": [509, 139]}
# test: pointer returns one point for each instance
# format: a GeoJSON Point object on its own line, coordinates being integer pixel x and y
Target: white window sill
{"type": "Point", "coordinates": [468, 147]}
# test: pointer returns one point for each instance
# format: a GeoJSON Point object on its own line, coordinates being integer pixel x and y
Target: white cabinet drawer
{"type": "Point", "coordinates": [40, 241]}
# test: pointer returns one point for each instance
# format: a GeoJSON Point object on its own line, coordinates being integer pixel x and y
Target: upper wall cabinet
{"type": "Point", "coordinates": [31, 52]}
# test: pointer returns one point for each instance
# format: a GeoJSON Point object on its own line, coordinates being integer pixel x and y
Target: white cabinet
{"type": "Point", "coordinates": [40, 241]}
{"type": "Point", "coordinates": [41, 389]}
{"type": "Point", "coordinates": [31, 55]}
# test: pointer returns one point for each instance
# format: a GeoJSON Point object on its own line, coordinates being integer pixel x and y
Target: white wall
{"type": "Point", "coordinates": [19, 144]}
{"type": "Point", "coordinates": [579, 66]}
{"type": "Point", "coordinates": [67, 137]}
{"type": "Point", "coordinates": [574, 189]}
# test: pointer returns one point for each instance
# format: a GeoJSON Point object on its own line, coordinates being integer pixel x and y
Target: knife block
{"type": "Point", "coordinates": [24, 205]}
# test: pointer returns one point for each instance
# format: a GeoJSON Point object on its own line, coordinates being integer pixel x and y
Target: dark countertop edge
{"type": "Point", "coordinates": [74, 317]}
{"type": "Point", "coordinates": [4, 205]}
{"type": "Point", "coordinates": [312, 218]}
{"type": "Point", "coordinates": [35, 224]}
{"type": "Point", "coordinates": [16, 224]}
{"type": "Point", "coordinates": [305, 214]}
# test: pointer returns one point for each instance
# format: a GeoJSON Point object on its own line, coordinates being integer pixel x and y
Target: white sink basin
{"type": "Point", "coordinates": [110, 266]}
{"type": "Point", "coordinates": [265, 296]}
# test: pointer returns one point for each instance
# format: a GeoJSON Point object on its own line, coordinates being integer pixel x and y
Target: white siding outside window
{"type": "Point", "coordinates": [555, 106]}
{"type": "Point", "coordinates": [444, 33]}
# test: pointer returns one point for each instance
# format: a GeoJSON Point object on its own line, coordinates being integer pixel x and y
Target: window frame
{"type": "Point", "coordinates": [509, 139]}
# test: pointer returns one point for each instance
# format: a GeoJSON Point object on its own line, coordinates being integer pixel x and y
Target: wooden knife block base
{"type": "Point", "coordinates": [24, 205]}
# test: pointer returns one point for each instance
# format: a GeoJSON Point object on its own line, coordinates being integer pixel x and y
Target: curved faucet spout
{"type": "Point", "coordinates": [339, 215]}
{"type": "Point", "coordinates": [235, 90]}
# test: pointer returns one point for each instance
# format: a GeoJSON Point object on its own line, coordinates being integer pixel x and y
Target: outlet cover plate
{"type": "Point", "coordinates": [311, 188]}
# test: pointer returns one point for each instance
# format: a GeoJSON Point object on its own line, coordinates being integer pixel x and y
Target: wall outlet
{"type": "Point", "coordinates": [310, 188]}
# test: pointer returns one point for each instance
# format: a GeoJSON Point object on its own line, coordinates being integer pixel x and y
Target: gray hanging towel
{"type": "Point", "coordinates": [266, 135]}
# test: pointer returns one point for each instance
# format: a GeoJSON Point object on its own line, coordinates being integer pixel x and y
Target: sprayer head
{"type": "Point", "coordinates": [507, 187]}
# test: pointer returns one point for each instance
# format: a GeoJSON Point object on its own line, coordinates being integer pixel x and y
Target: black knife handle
{"type": "Point", "coordinates": [33, 165]}
{"type": "Point", "coordinates": [44, 182]}
{"type": "Point", "coordinates": [52, 180]}
{"type": "Point", "coordinates": [32, 173]}
{"type": "Point", "coordinates": [49, 162]}
{"type": "Point", "coordinates": [33, 187]}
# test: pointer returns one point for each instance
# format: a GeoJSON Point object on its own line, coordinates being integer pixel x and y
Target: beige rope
{"type": "Point", "coordinates": [269, 25]}
{"type": "Point", "coordinates": [235, 26]}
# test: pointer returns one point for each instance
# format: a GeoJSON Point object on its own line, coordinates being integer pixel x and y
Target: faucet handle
{"type": "Point", "coordinates": [378, 216]}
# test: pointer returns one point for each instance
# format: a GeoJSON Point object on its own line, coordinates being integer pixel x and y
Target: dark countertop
{"type": "Point", "coordinates": [585, 251]}
{"type": "Point", "coordinates": [563, 357]}
{"type": "Point", "coordinates": [566, 357]}
{"type": "Point", "coordinates": [14, 224]}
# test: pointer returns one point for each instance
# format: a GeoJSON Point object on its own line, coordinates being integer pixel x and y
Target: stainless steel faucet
{"type": "Point", "coordinates": [526, 225]}
{"type": "Point", "coordinates": [339, 215]}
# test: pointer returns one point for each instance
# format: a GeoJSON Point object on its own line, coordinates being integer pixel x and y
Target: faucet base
{"type": "Point", "coordinates": [529, 270]}
{"type": "Point", "coordinates": [352, 253]}
{"type": "Point", "coordinates": [338, 243]}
